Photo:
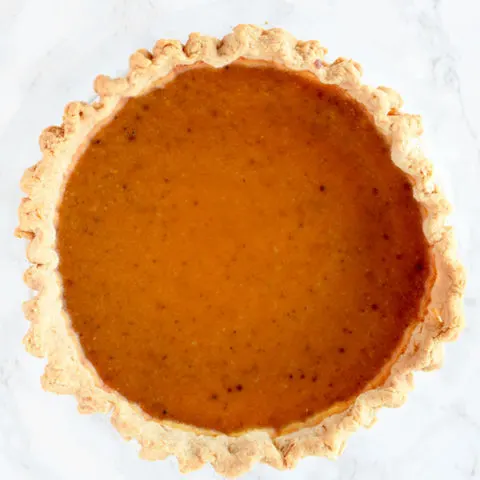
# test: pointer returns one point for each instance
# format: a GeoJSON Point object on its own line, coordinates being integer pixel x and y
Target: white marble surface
{"type": "Point", "coordinates": [50, 51]}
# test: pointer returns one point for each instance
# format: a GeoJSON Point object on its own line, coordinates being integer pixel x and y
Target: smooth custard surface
{"type": "Point", "coordinates": [238, 250]}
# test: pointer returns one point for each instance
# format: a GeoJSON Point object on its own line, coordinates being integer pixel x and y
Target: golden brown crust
{"type": "Point", "coordinates": [50, 334]}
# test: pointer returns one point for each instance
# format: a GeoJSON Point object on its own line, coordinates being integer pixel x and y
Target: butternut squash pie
{"type": "Point", "coordinates": [238, 252]}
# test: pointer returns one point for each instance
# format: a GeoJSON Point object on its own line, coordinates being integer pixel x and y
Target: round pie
{"type": "Point", "coordinates": [238, 251]}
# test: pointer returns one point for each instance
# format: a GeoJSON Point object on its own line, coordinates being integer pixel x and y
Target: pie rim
{"type": "Point", "coordinates": [50, 334]}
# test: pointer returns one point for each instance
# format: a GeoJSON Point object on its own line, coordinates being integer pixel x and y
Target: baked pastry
{"type": "Point", "coordinates": [238, 251]}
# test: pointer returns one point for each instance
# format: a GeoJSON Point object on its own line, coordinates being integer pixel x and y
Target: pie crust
{"type": "Point", "coordinates": [50, 334]}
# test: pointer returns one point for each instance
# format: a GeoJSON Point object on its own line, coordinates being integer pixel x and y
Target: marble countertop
{"type": "Point", "coordinates": [51, 50]}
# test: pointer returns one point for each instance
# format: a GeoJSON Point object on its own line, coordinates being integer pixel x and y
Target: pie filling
{"type": "Point", "coordinates": [238, 250]}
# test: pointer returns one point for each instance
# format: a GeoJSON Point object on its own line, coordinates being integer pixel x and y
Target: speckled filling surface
{"type": "Point", "coordinates": [238, 250]}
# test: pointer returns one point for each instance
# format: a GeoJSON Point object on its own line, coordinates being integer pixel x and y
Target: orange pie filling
{"type": "Point", "coordinates": [238, 250]}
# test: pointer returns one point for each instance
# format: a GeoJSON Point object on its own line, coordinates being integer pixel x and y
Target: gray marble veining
{"type": "Point", "coordinates": [50, 52]}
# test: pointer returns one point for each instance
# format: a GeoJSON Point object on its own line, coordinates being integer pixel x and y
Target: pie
{"type": "Point", "coordinates": [238, 251]}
